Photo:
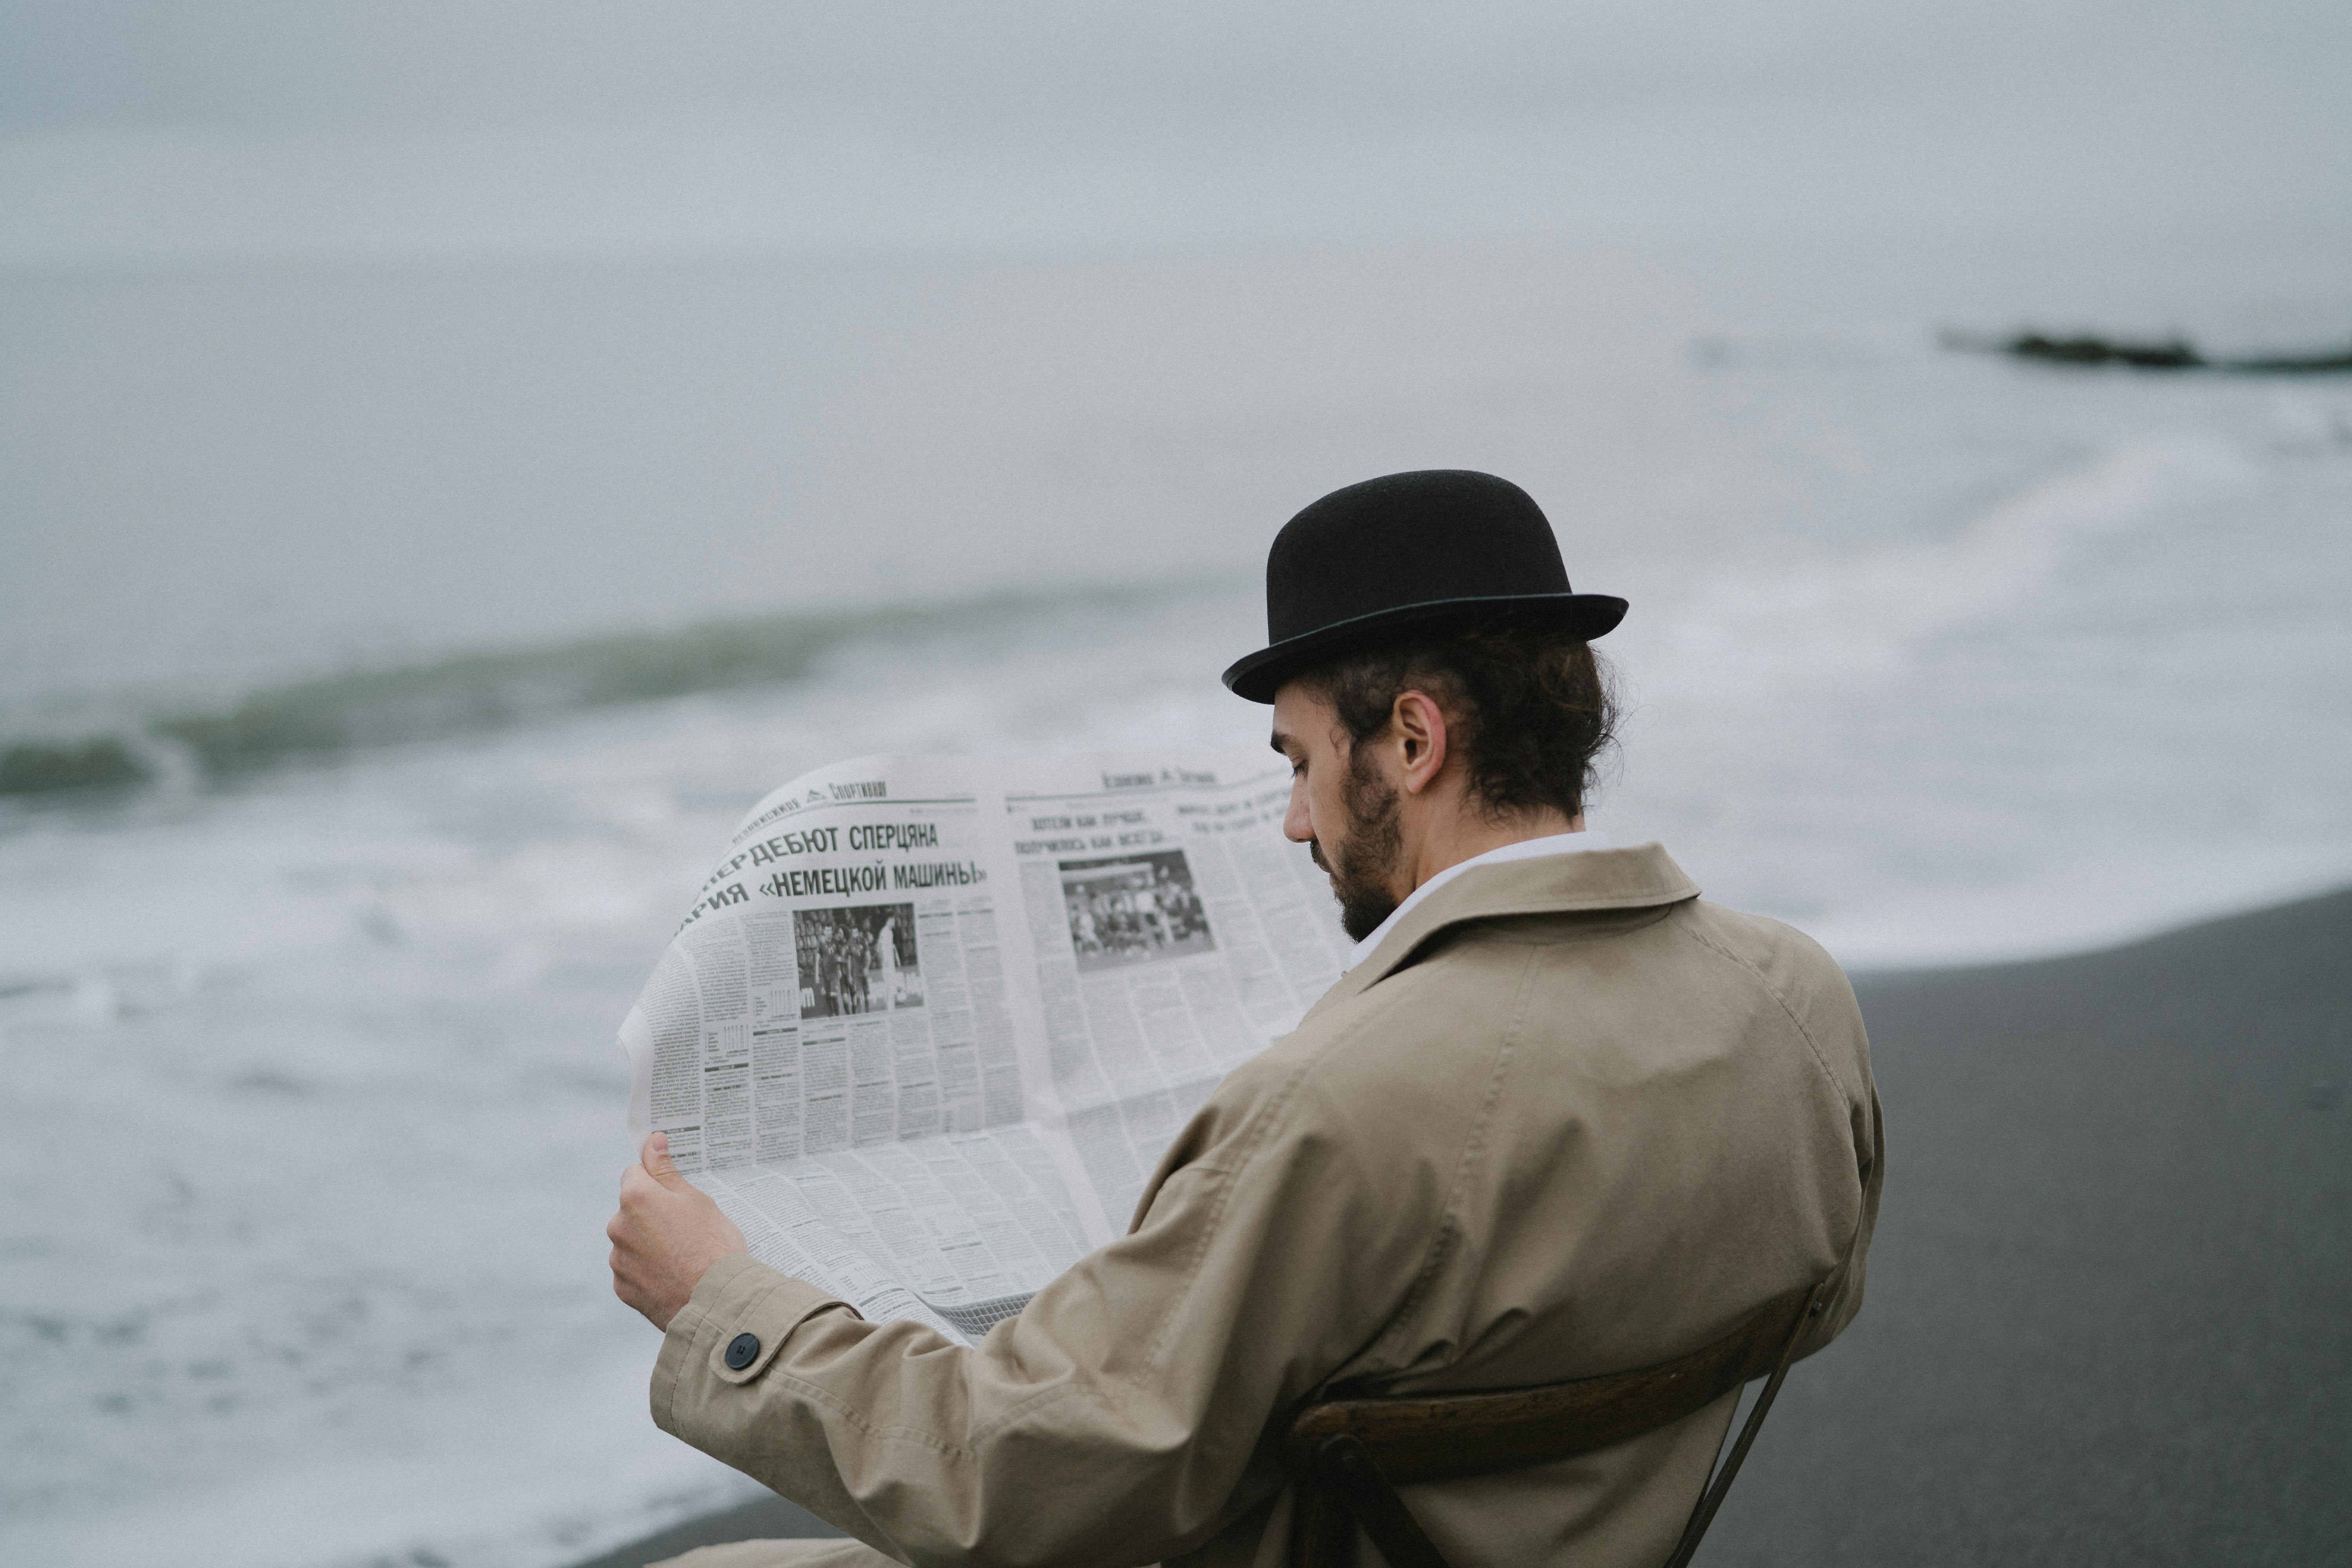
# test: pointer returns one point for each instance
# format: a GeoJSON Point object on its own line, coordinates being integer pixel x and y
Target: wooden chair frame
{"type": "Point", "coordinates": [1347, 1456]}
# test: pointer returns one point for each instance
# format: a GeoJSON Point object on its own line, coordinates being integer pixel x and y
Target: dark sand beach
{"type": "Point", "coordinates": [2110, 1310]}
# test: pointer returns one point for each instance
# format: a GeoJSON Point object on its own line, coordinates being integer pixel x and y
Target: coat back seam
{"type": "Point", "coordinates": [1812, 1047]}
{"type": "Point", "coordinates": [1473, 1145]}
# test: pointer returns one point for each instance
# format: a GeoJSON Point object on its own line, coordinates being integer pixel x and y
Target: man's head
{"type": "Point", "coordinates": [1433, 688]}
{"type": "Point", "coordinates": [1409, 757]}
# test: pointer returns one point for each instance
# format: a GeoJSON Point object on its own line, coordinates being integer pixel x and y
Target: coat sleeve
{"type": "Point", "coordinates": [1124, 1415]}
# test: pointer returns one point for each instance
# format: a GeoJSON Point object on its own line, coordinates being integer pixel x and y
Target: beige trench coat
{"type": "Point", "coordinates": [1568, 1120]}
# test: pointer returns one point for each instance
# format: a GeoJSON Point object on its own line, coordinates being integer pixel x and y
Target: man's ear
{"type": "Point", "coordinates": [1417, 730]}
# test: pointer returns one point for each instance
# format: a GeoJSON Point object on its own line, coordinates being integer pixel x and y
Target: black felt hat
{"type": "Point", "coordinates": [1408, 550]}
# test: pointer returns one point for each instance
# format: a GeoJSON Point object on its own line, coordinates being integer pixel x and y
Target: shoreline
{"type": "Point", "coordinates": [2106, 1313]}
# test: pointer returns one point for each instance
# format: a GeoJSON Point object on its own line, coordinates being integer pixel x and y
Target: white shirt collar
{"type": "Point", "coordinates": [1525, 849]}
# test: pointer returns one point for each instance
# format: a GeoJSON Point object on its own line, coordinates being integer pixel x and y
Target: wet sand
{"type": "Point", "coordinates": [2110, 1308]}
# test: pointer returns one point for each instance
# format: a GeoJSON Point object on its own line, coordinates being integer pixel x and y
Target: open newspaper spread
{"type": "Point", "coordinates": [932, 1020]}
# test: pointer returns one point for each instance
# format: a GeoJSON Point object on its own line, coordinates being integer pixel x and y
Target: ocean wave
{"type": "Point", "coordinates": [131, 741]}
{"type": "Point", "coordinates": [1861, 614]}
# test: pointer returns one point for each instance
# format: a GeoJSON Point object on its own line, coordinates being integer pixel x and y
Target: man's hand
{"type": "Point", "coordinates": [667, 1236]}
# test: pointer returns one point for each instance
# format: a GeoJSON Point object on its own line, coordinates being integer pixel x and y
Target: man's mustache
{"type": "Point", "coordinates": [1315, 853]}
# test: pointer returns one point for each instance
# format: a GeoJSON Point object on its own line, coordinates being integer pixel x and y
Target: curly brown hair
{"type": "Point", "coordinates": [1531, 708]}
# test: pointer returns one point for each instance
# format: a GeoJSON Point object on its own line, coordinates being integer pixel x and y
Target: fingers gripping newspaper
{"type": "Point", "coordinates": [931, 1021]}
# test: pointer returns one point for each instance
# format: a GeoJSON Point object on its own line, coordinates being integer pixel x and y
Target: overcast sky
{"type": "Point", "coordinates": [234, 127]}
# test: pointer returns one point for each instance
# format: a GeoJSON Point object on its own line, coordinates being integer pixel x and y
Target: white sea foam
{"type": "Point", "coordinates": [1758, 633]}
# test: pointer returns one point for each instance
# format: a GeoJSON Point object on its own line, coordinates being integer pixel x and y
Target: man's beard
{"type": "Point", "coordinates": [1362, 864]}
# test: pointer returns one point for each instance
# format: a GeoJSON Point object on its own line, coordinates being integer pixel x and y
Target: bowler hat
{"type": "Point", "coordinates": [1408, 550]}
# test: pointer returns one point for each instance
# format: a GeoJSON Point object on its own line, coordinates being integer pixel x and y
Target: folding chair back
{"type": "Point", "coordinates": [1348, 1457]}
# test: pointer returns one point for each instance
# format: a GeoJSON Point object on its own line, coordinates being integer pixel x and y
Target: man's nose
{"type": "Point", "coordinates": [1299, 823]}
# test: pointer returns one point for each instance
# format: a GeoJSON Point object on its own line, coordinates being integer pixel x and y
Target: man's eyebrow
{"type": "Point", "coordinates": [1280, 743]}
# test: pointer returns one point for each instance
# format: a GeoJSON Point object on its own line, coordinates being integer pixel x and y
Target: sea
{"type": "Point", "coordinates": [385, 648]}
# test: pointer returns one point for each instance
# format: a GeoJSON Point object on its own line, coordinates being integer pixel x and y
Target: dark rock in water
{"type": "Point", "coordinates": [2179, 353]}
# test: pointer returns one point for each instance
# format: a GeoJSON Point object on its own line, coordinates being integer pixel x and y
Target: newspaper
{"type": "Point", "coordinates": [932, 1020]}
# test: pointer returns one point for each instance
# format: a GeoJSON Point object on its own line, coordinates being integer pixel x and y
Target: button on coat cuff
{"type": "Point", "coordinates": [737, 1296]}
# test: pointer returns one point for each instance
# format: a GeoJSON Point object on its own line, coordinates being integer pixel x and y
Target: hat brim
{"type": "Point", "coordinates": [1261, 674]}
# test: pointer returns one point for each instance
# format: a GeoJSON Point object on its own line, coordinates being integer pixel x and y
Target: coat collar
{"type": "Point", "coordinates": [1640, 877]}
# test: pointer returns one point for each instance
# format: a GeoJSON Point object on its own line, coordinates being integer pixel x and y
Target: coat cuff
{"type": "Point", "coordinates": [737, 1295]}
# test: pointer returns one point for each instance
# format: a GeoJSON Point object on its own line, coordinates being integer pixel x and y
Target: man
{"type": "Point", "coordinates": [1559, 1118]}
